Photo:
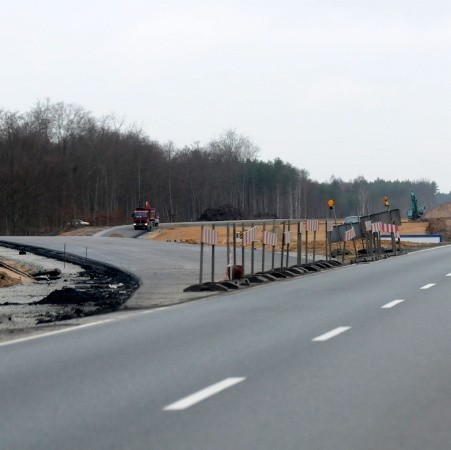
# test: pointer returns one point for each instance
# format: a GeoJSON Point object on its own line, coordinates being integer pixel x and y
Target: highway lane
{"type": "Point", "coordinates": [329, 361]}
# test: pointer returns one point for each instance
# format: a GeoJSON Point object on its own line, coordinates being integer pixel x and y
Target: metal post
{"type": "Point", "coordinates": [306, 246]}
{"type": "Point", "coordinates": [327, 242]}
{"type": "Point", "coordinates": [283, 245]}
{"type": "Point", "coordinates": [263, 248]}
{"type": "Point", "coordinates": [213, 258]}
{"type": "Point", "coordinates": [234, 244]}
{"type": "Point", "coordinates": [288, 244]}
{"type": "Point", "coordinates": [299, 244]}
{"type": "Point", "coordinates": [201, 254]}
{"type": "Point", "coordinates": [393, 243]}
{"type": "Point", "coordinates": [242, 245]}
{"type": "Point", "coordinates": [314, 245]}
{"type": "Point", "coordinates": [228, 252]}
{"type": "Point", "coordinates": [252, 253]}
{"type": "Point", "coordinates": [273, 247]}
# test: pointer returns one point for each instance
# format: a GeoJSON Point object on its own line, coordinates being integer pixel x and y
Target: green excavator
{"type": "Point", "coordinates": [416, 211]}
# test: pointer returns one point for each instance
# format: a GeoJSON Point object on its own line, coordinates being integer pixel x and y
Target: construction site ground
{"type": "Point", "coordinates": [192, 235]}
{"type": "Point", "coordinates": [20, 312]}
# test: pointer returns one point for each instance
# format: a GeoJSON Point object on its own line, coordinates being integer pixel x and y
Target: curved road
{"type": "Point", "coordinates": [350, 358]}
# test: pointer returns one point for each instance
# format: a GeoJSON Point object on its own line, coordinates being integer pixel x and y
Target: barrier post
{"type": "Point", "coordinates": [263, 247]}
{"type": "Point", "coordinates": [314, 245]}
{"type": "Point", "coordinates": [201, 254]}
{"type": "Point", "coordinates": [273, 247]}
{"type": "Point", "coordinates": [288, 243]}
{"type": "Point", "coordinates": [393, 243]}
{"type": "Point", "coordinates": [329, 229]}
{"type": "Point", "coordinates": [283, 245]}
{"type": "Point", "coordinates": [299, 244]}
{"type": "Point", "coordinates": [252, 253]}
{"type": "Point", "coordinates": [234, 244]}
{"type": "Point", "coordinates": [213, 258]}
{"type": "Point", "coordinates": [242, 245]}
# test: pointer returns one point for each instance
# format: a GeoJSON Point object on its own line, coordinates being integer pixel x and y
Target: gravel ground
{"type": "Point", "coordinates": [82, 290]}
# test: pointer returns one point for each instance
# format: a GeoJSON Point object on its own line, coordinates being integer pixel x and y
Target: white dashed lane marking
{"type": "Point", "coordinates": [203, 394]}
{"type": "Point", "coordinates": [331, 334]}
{"type": "Point", "coordinates": [391, 304]}
{"type": "Point", "coordinates": [427, 286]}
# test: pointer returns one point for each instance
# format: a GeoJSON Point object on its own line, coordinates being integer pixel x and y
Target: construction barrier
{"type": "Point", "coordinates": [295, 241]}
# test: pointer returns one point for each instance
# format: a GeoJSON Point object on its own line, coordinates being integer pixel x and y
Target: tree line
{"type": "Point", "coordinates": [58, 163]}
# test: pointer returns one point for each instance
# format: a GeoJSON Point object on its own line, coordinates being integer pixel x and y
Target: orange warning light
{"type": "Point", "coordinates": [330, 203]}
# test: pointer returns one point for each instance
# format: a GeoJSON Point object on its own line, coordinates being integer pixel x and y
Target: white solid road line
{"type": "Point", "coordinates": [203, 394]}
{"type": "Point", "coordinates": [427, 286]}
{"type": "Point", "coordinates": [391, 304]}
{"type": "Point", "coordinates": [331, 334]}
{"type": "Point", "coordinates": [51, 333]}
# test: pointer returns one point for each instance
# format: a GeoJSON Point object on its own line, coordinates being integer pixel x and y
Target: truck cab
{"type": "Point", "coordinates": [145, 218]}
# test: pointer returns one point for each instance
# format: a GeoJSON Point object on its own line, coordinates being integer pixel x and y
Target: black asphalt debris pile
{"type": "Point", "coordinates": [229, 212]}
{"type": "Point", "coordinates": [102, 288]}
{"type": "Point", "coordinates": [70, 296]}
{"type": "Point", "coordinates": [221, 213]}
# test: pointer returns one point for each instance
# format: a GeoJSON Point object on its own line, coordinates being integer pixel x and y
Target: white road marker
{"type": "Point", "coordinates": [203, 394]}
{"type": "Point", "coordinates": [51, 333]}
{"type": "Point", "coordinates": [448, 274]}
{"type": "Point", "coordinates": [331, 334]}
{"type": "Point", "coordinates": [391, 304]}
{"type": "Point", "coordinates": [427, 286]}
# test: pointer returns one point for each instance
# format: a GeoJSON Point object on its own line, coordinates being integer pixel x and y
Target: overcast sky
{"type": "Point", "coordinates": [343, 88]}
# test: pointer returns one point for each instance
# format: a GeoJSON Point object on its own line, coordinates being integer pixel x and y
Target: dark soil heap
{"type": "Point", "coordinates": [440, 225]}
{"type": "Point", "coordinates": [221, 213]}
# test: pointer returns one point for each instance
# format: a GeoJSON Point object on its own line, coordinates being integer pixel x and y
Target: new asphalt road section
{"type": "Point", "coordinates": [357, 357]}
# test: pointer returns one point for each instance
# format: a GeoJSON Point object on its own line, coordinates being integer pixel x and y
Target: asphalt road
{"type": "Point", "coordinates": [349, 358]}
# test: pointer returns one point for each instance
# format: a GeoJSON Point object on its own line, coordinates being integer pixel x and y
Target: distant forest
{"type": "Point", "coordinates": [58, 163]}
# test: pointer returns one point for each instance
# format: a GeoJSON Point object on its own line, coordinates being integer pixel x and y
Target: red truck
{"type": "Point", "coordinates": [145, 218]}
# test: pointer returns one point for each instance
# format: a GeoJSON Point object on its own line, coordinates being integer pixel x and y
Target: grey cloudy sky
{"type": "Point", "coordinates": [336, 87]}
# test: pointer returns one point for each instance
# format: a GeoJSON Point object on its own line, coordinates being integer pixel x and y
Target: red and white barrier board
{"type": "Point", "coordinates": [312, 225]}
{"type": "Point", "coordinates": [287, 237]}
{"type": "Point", "coordinates": [389, 228]}
{"type": "Point", "coordinates": [269, 238]}
{"type": "Point", "coordinates": [249, 236]}
{"type": "Point", "coordinates": [349, 235]}
{"type": "Point", "coordinates": [376, 227]}
{"type": "Point", "coordinates": [209, 236]}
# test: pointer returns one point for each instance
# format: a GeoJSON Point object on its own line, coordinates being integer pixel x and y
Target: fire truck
{"type": "Point", "coordinates": [145, 218]}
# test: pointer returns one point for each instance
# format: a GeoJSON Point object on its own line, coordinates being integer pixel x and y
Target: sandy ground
{"type": "Point", "coordinates": [192, 235]}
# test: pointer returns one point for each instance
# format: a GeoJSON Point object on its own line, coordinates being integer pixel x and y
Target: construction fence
{"type": "Point", "coordinates": [265, 250]}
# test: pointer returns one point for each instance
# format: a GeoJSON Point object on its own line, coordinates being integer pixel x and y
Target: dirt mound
{"type": "Point", "coordinates": [223, 212]}
{"type": "Point", "coordinates": [443, 210]}
{"type": "Point", "coordinates": [70, 296]}
{"type": "Point", "coordinates": [440, 225]}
